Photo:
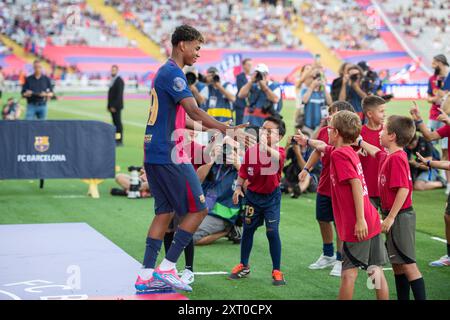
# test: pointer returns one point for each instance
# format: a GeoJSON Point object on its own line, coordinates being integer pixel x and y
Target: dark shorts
{"type": "Point", "coordinates": [376, 202]}
{"type": "Point", "coordinates": [324, 210]}
{"type": "Point", "coordinates": [262, 207]}
{"type": "Point", "coordinates": [447, 206]}
{"type": "Point", "coordinates": [175, 188]}
{"type": "Point", "coordinates": [364, 254]}
{"type": "Point", "coordinates": [401, 239]}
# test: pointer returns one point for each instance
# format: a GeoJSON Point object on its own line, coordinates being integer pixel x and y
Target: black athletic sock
{"type": "Point", "coordinates": [189, 256]}
{"type": "Point", "coordinates": [418, 289]}
{"type": "Point", "coordinates": [402, 286]}
{"type": "Point", "coordinates": [448, 249]}
{"type": "Point", "coordinates": [168, 238]}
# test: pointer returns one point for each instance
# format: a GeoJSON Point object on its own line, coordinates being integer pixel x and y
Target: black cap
{"type": "Point", "coordinates": [364, 65]}
{"type": "Point", "coordinates": [441, 58]}
{"type": "Point", "coordinates": [212, 70]}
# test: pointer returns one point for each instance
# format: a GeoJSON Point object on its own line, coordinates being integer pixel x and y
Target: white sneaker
{"type": "Point", "coordinates": [337, 269]}
{"type": "Point", "coordinates": [442, 262]}
{"type": "Point", "coordinates": [323, 262]}
{"type": "Point", "coordinates": [447, 190]}
{"type": "Point", "coordinates": [187, 277]}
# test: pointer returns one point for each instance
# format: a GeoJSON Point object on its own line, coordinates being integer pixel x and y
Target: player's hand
{"type": "Point", "coordinates": [361, 229]}
{"type": "Point", "coordinates": [241, 136]}
{"type": "Point", "coordinates": [443, 117]}
{"type": "Point", "coordinates": [302, 175]}
{"type": "Point", "coordinates": [387, 224]}
{"type": "Point", "coordinates": [414, 111]}
{"type": "Point", "coordinates": [300, 138]}
{"type": "Point", "coordinates": [113, 110]}
{"type": "Point", "coordinates": [237, 193]}
{"type": "Point", "coordinates": [27, 93]}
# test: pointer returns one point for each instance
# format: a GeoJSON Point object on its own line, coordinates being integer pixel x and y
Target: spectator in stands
{"type": "Point", "coordinates": [336, 85]}
{"type": "Point", "coordinates": [37, 89]}
{"type": "Point", "coordinates": [316, 99]}
{"type": "Point", "coordinates": [264, 97]}
{"type": "Point", "coordinates": [423, 177]}
{"type": "Point", "coordinates": [296, 158]}
{"type": "Point", "coordinates": [242, 79]}
{"type": "Point", "coordinates": [436, 90]}
{"type": "Point", "coordinates": [218, 97]}
{"type": "Point", "coordinates": [11, 110]}
{"type": "Point", "coordinates": [218, 178]}
{"type": "Point", "coordinates": [351, 89]}
{"type": "Point", "coordinates": [115, 102]}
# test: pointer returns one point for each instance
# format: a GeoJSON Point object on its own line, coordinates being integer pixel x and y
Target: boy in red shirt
{"type": "Point", "coordinates": [373, 108]}
{"type": "Point", "coordinates": [395, 185]}
{"type": "Point", "coordinates": [443, 132]}
{"type": "Point", "coordinates": [324, 209]}
{"type": "Point", "coordinates": [357, 221]}
{"type": "Point", "coordinates": [262, 167]}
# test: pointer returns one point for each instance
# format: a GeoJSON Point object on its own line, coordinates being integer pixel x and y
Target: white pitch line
{"type": "Point", "coordinates": [439, 239]}
{"type": "Point", "coordinates": [210, 273]}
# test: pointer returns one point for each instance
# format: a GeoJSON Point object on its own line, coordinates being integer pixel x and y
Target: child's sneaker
{"type": "Point", "coordinates": [323, 262]}
{"type": "Point", "coordinates": [239, 271]}
{"type": "Point", "coordinates": [278, 278]}
{"type": "Point", "coordinates": [171, 278]}
{"type": "Point", "coordinates": [442, 262]}
{"type": "Point", "coordinates": [187, 276]}
{"type": "Point", "coordinates": [337, 269]}
{"type": "Point", "coordinates": [151, 285]}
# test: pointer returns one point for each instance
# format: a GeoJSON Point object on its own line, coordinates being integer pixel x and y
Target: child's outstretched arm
{"type": "Point", "coordinates": [427, 133]}
{"type": "Point", "coordinates": [445, 165]}
{"type": "Point", "coordinates": [370, 149]}
{"type": "Point", "coordinates": [310, 164]}
{"type": "Point", "coordinates": [305, 141]}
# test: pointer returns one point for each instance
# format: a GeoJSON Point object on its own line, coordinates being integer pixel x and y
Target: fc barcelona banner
{"type": "Point", "coordinates": [56, 149]}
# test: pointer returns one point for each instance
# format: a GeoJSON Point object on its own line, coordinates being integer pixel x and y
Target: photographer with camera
{"type": "Point", "coordinates": [196, 82]}
{"type": "Point", "coordinates": [133, 185]}
{"type": "Point", "coordinates": [296, 158]}
{"type": "Point", "coordinates": [241, 80]}
{"type": "Point", "coordinates": [11, 110]}
{"type": "Point", "coordinates": [219, 98]}
{"type": "Point", "coordinates": [351, 90]}
{"type": "Point", "coordinates": [264, 97]}
{"type": "Point", "coordinates": [218, 179]}
{"type": "Point", "coordinates": [315, 98]}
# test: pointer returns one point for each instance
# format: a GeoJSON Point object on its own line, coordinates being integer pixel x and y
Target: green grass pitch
{"type": "Point", "coordinates": [125, 222]}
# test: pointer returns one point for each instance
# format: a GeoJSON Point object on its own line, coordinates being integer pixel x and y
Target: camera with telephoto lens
{"type": "Point", "coordinates": [216, 78]}
{"type": "Point", "coordinates": [259, 76]}
{"type": "Point", "coordinates": [135, 182]}
{"type": "Point", "coordinates": [192, 78]}
{"type": "Point", "coordinates": [354, 77]}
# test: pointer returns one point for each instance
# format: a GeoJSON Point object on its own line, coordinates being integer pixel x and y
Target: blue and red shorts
{"type": "Point", "coordinates": [175, 188]}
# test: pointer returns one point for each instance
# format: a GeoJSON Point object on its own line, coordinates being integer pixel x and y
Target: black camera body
{"type": "Point", "coordinates": [354, 77]}
{"type": "Point", "coordinates": [259, 76]}
{"type": "Point", "coordinates": [216, 78]}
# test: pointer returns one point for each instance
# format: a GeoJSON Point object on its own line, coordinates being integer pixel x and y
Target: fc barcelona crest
{"type": "Point", "coordinates": [41, 144]}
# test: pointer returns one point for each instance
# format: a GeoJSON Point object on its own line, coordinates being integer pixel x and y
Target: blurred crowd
{"type": "Point", "coordinates": [35, 25]}
{"type": "Point", "coordinates": [423, 21]}
{"type": "Point", "coordinates": [341, 25]}
{"type": "Point", "coordinates": [231, 24]}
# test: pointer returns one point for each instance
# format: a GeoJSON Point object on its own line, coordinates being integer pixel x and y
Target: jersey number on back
{"type": "Point", "coordinates": [153, 113]}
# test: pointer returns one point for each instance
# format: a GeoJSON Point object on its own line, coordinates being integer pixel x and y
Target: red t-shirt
{"type": "Point", "coordinates": [394, 174]}
{"type": "Point", "coordinates": [432, 89]}
{"type": "Point", "coordinates": [195, 152]}
{"type": "Point", "coordinates": [324, 180]}
{"type": "Point", "coordinates": [369, 163]}
{"type": "Point", "coordinates": [262, 174]}
{"type": "Point", "coordinates": [444, 131]}
{"type": "Point", "coordinates": [345, 166]}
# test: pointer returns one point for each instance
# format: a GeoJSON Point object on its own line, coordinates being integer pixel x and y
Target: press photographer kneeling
{"type": "Point", "coordinates": [218, 178]}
